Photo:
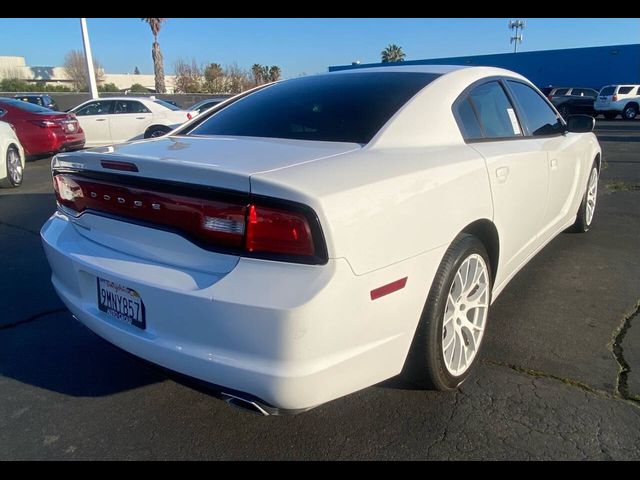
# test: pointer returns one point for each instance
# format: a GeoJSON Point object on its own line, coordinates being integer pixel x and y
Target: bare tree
{"type": "Point", "coordinates": [188, 76]}
{"type": "Point", "coordinates": [238, 79]}
{"type": "Point", "coordinates": [156, 24]}
{"type": "Point", "coordinates": [75, 67]}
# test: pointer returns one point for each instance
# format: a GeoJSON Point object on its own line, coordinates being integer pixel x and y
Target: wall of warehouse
{"type": "Point", "coordinates": [591, 67]}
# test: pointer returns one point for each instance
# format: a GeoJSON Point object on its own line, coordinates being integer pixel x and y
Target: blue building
{"type": "Point", "coordinates": [586, 67]}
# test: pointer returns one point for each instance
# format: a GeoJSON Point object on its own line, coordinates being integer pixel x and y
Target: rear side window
{"type": "Point", "coordinates": [607, 91]}
{"type": "Point", "coordinates": [130, 106]}
{"type": "Point", "coordinates": [336, 107]}
{"type": "Point", "coordinates": [468, 121]}
{"type": "Point", "coordinates": [539, 117]}
{"type": "Point", "coordinates": [560, 91]}
{"type": "Point", "coordinates": [624, 90]}
{"type": "Point", "coordinates": [583, 92]}
{"type": "Point", "coordinates": [494, 111]}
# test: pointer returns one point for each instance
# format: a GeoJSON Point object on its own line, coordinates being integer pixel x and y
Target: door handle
{"type": "Point", "coordinates": [140, 118]}
{"type": "Point", "coordinates": [100, 119]}
{"type": "Point", "coordinates": [554, 163]}
{"type": "Point", "coordinates": [502, 173]}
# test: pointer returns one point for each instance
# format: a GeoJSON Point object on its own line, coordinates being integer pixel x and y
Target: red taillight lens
{"type": "Point", "coordinates": [278, 231]}
{"type": "Point", "coordinates": [244, 227]}
{"type": "Point", "coordinates": [189, 117]}
{"type": "Point", "coordinates": [45, 123]}
{"type": "Point", "coordinates": [216, 222]}
{"type": "Point", "coordinates": [615, 98]}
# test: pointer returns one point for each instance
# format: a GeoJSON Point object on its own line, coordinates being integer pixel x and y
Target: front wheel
{"type": "Point", "coordinates": [14, 170]}
{"type": "Point", "coordinates": [588, 204]}
{"type": "Point", "coordinates": [449, 336]}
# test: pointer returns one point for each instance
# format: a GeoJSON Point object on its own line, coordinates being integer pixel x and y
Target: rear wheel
{"type": "Point", "coordinates": [156, 131]}
{"type": "Point", "coordinates": [449, 336]}
{"type": "Point", "coordinates": [588, 204]}
{"type": "Point", "coordinates": [610, 115]}
{"type": "Point", "coordinates": [14, 168]}
{"type": "Point", "coordinates": [630, 112]}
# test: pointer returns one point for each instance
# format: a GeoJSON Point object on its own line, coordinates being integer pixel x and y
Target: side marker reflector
{"type": "Point", "coordinates": [388, 288]}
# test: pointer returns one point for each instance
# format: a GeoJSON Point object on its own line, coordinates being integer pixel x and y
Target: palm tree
{"type": "Point", "coordinates": [256, 72]}
{"type": "Point", "coordinates": [393, 53]}
{"type": "Point", "coordinates": [155, 24]}
{"type": "Point", "coordinates": [274, 73]}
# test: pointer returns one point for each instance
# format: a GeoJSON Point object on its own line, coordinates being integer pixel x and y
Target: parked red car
{"type": "Point", "coordinates": [41, 130]}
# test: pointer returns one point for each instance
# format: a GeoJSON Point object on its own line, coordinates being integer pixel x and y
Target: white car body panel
{"type": "Point", "coordinates": [8, 138]}
{"type": "Point", "coordinates": [296, 335]}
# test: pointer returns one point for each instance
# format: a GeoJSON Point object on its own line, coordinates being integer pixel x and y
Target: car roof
{"type": "Point", "coordinates": [398, 67]}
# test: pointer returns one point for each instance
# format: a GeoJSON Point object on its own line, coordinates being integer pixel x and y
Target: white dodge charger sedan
{"type": "Point", "coordinates": [121, 119]}
{"type": "Point", "coordinates": [324, 233]}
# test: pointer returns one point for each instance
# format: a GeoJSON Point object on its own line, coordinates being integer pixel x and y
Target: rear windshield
{"type": "Point", "coordinates": [29, 107]}
{"type": "Point", "coordinates": [339, 107]}
{"type": "Point", "coordinates": [166, 105]}
{"type": "Point", "coordinates": [607, 91]}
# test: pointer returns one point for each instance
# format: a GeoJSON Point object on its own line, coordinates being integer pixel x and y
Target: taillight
{"type": "Point", "coordinates": [189, 117]}
{"type": "Point", "coordinates": [244, 227]}
{"type": "Point", "coordinates": [615, 98]}
{"type": "Point", "coordinates": [278, 231]}
{"type": "Point", "coordinates": [44, 123]}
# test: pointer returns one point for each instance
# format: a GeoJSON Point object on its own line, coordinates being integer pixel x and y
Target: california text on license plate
{"type": "Point", "coordinates": [121, 302]}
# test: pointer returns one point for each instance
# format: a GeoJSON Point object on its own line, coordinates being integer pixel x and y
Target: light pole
{"type": "Point", "coordinates": [516, 25]}
{"type": "Point", "coordinates": [89, 58]}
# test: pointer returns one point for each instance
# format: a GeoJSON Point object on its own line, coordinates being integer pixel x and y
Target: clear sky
{"type": "Point", "coordinates": [296, 45]}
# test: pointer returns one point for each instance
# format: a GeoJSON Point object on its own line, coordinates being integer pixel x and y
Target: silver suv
{"type": "Point", "coordinates": [614, 100]}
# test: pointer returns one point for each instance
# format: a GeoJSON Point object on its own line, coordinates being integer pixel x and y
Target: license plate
{"type": "Point", "coordinates": [122, 303]}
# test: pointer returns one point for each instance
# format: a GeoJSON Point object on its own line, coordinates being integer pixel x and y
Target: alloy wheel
{"type": "Point", "coordinates": [592, 191]}
{"type": "Point", "coordinates": [465, 315]}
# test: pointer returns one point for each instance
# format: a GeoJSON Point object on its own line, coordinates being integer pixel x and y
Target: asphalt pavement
{"type": "Point", "coordinates": [559, 377]}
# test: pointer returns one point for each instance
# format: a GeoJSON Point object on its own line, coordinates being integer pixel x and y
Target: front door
{"type": "Point", "coordinates": [94, 120]}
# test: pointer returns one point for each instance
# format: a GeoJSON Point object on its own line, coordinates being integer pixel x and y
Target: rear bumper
{"type": "Point", "coordinates": [293, 336]}
{"type": "Point", "coordinates": [52, 142]}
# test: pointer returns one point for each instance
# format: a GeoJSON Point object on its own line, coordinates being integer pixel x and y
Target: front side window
{"type": "Point", "coordinates": [102, 107]}
{"type": "Point", "coordinates": [495, 113]}
{"type": "Point", "coordinates": [130, 106]}
{"type": "Point", "coordinates": [539, 117]}
{"type": "Point", "coordinates": [583, 92]}
{"type": "Point", "coordinates": [336, 107]}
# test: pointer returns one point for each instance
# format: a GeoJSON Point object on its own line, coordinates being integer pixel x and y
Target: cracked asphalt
{"type": "Point", "coordinates": [559, 376]}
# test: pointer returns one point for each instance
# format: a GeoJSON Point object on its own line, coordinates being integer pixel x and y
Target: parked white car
{"type": "Point", "coordinates": [11, 157]}
{"type": "Point", "coordinates": [324, 233]}
{"type": "Point", "coordinates": [121, 119]}
{"type": "Point", "coordinates": [614, 100]}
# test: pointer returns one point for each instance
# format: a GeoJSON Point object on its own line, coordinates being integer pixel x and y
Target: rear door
{"type": "Point", "coordinates": [517, 169]}
{"type": "Point", "coordinates": [546, 133]}
{"type": "Point", "coordinates": [94, 120]}
{"type": "Point", "coordinates": [603, 102]}
{"type": "Point", "coordinates": [130, 120]}
{"type": "Point", "coordinates": [582, 100]}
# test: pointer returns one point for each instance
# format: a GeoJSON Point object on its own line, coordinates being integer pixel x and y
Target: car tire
{"type": "Point", "coordinates": [610, 115]}
{"type": "Point", "coordinates": [14, 169]}
{"type": "Point", "coordinates": [630, 112]}
{"type": "Point", "coordinates": [156, 131]}
{"type": "Point", "coordinates": [584, 219]}
{"type": "Point", "coordinates": [441, 329]}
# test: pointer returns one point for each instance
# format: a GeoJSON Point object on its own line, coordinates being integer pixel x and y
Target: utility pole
{"type": "Point", "coordinates": [516, 25]}
{"type": "Point", "coordinates": [89, 58]}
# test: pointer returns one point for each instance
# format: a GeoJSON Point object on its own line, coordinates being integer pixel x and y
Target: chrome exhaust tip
{"type": "Point", "coordinates": [243, 404]}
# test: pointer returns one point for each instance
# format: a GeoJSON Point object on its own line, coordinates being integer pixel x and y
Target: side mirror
{"type": "Point", "coordinates": [580, 123]}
